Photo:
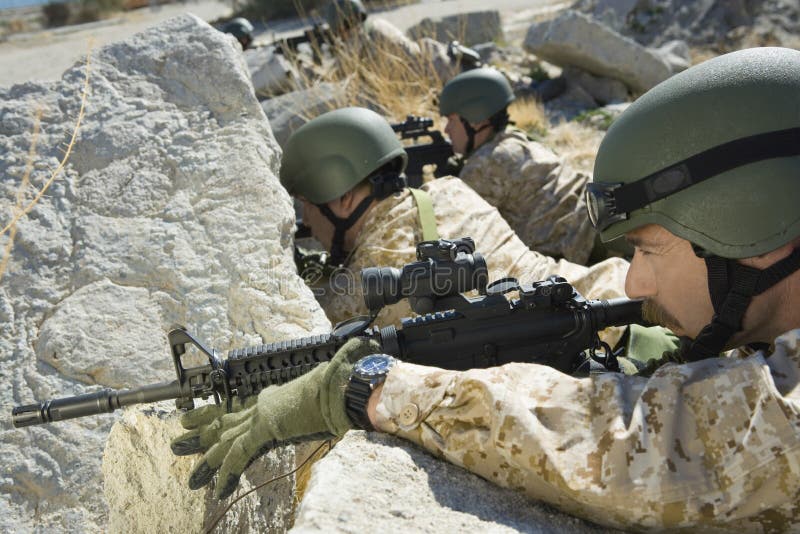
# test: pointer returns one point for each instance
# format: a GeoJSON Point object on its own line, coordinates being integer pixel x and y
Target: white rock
{"type": "Point", "coordinates": [287, 113]}
{"type": "Point", "coordinates": [676, 54]}
{"type": "Point", "coordinates": [379, 483]}
{"type": "Point", "coordinates": [575, 39]}
{"type": "Point", "coordinates": [467, 28]}
{"type": "Point", "coordinates": [168, 211]}
{"type": "Point", "coordinates": [603, 90]}
{"type": "Point", "coordinates": [272, 73]}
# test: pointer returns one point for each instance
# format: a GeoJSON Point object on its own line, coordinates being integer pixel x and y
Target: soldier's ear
{"type": "Point", "coordinates": [345, 204]}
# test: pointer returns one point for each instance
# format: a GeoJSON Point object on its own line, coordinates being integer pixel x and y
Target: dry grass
{"type": "Point", "coordinates": [576, 143]}
{"type": "Point", "coordinates": [312, 453]}
{"type": "Point", "coordinates": [528, 114]}
{"type": "Point", "coordinates": [20, 208]}
{"type": "Point", "coordinates": [389, 78]}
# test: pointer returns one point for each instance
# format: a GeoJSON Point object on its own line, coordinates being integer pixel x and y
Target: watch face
{"type": "Point", "coordinates": [374, 364]}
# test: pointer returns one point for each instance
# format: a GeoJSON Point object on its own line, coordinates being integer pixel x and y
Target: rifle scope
{"type": "Point", "coordinates": [444, 268]}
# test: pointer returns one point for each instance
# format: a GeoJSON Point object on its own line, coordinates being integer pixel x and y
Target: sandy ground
{"type": "Point", "coordinates": [45, 55]}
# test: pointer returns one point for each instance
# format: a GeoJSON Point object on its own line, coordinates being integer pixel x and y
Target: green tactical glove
{"type": "Point", "coordinates": [651, 343]}
{"type": "Point", "coordinates": [643, 347]}
{"type": "Point", "coordinates": [307, 408]}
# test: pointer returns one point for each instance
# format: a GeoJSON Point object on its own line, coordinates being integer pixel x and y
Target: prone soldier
{"type": "Point", "coordinates": [536, 192]}
{"type": "Point", "coordinates": [347, 168]}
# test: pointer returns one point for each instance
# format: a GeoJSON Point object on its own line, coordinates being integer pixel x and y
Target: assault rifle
{"type": "Point", "coordinates": [316, 36]}
{"type": "Point", "coordinates": [548, 323]}
{"type": "Point", "coordinates": [437, 152]}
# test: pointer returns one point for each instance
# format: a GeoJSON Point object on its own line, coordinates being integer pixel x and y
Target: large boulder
{"type": "Point", "coordinates": [575, 39]}
{"type": "Point", "coordinates": [167, 211]}
{"type": "Point", "coordinates": [286, 113]}
{"type": "Point", "coordinates": [730, 24]}
{"type": "Point", "coordinates": [378, 483]}
{"type": "Point", "coordinates": [603, 90]}
{"type": "Point", "coordinates": [467, 28]}
{"type": "Point", "coordinates": [272, 73]}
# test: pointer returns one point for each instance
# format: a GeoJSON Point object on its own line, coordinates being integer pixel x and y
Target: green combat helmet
{"type": "Point", "coordinates": [341, 15]}
{"type": "Point", "coordinates": [240, 28]}
{"type": "Point", "coordinates": [475, 96]}
{"type": "Point", "coordinates": [331, 154]}
{"type": "Point", "coordinates": [712, 155]}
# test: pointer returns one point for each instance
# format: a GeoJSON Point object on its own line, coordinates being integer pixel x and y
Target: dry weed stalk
{"type": "Point", "coordinates": [19, 211]}
{"type": "Point", "coordinates": [19, 205]}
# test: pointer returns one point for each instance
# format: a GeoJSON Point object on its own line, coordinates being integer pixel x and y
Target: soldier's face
{"type": "Point", "coordinates": [673, 281]}
{"type": "Point", "coordinates": [457, 133]}
{"type": "Point", "coordinates": [321, 228]}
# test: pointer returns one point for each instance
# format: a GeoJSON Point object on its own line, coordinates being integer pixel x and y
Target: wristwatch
{"type": "Point", "coordinates": [368, 373]}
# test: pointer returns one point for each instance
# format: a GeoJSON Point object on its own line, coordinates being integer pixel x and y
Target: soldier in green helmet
{"type": "Point", "coordinates": [538, 193]}
{"type": "Point", "coordinates": [242, 29]}
{"type": "Point", "coordinates": [346, 167]}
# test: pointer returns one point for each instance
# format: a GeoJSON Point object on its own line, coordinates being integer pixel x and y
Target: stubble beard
{"type": "Point", "coordinates": [654, 313]}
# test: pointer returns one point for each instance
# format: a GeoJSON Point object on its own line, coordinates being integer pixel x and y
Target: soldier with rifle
{"type": "Point", "coordinates": [347, 167]}
{"type": "Point", "coordinates": [549, 323]}
{"type": "Point", "coordinates": [701, 175]}
{"type": "Point", "coordinates": [536, 192]}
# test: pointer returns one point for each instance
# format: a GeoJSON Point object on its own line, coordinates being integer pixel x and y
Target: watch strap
{"type": "Point", "coordinates": [357, 397]}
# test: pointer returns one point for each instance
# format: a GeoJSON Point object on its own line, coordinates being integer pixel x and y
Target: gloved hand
{"type": "Point", "coordinates": [644, 346]}
{"type": "Point", "coordinates": [649, 343]}
{"type": "Point", "coordinates": [307, 408]}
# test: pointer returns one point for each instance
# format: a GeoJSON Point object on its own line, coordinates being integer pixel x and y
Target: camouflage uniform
{"type": "Point", "coordinates": [539, 196]}
{"type": "Point", "coordinates": [712, 444]}
{"type": "Point", "coordinates": [392, 229]}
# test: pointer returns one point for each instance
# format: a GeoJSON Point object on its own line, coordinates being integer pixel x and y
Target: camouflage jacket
{"type": "Point", "coordinates": [539, 195]}
{"type": "Point", "coordinates": [392, 230]}
{"type": "Point", "coordinates": [710, 446]}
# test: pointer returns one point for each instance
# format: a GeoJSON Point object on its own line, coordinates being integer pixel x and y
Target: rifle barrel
{"type": "Point", "coordinates": [103, 401]}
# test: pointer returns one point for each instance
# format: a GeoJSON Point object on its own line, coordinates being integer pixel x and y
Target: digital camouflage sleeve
{"type": "Point", "coordinates": [711, 445]}
{"type": "Point", "coordinates": [392, 230]}
{"type": "Point", "coordinates": [540, 196]}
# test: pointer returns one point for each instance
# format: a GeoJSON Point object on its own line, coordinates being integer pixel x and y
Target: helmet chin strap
{"type": "Point", "coordinates": [341, 226]}
{"type": "Point", "coordinates": [732, 287]}
{"type": "Point", "coordinates": [471, 132]}
{"type": "Point", "coordinates": [383, 185]}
